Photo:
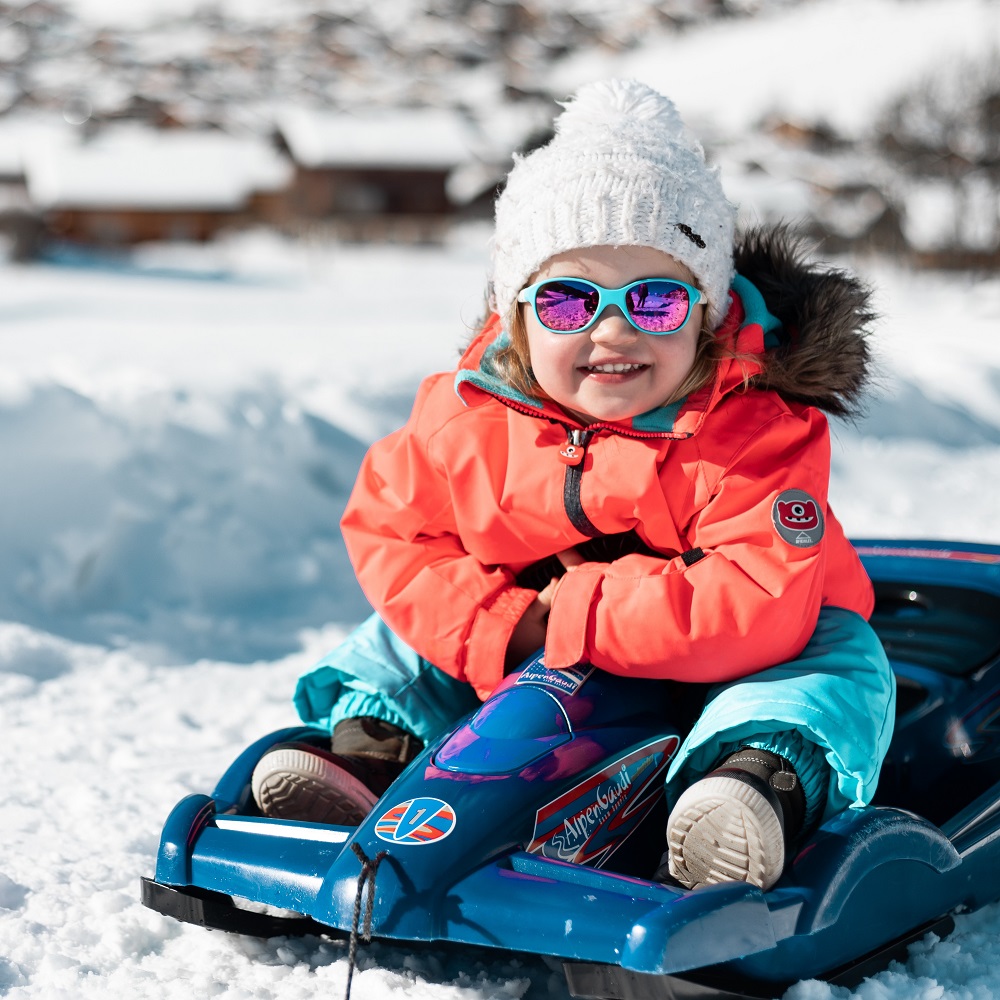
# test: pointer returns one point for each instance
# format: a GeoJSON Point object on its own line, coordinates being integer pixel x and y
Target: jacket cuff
{"type": "Point", "coordinates": [492, 628]}
{"type": "Point", "coordinates": [566, 633]}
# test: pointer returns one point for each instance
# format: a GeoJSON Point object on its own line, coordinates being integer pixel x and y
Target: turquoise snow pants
{"type": "Point", "coordinates": [835, 701]}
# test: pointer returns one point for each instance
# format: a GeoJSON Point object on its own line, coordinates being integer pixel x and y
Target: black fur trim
{"type": "Point", "coordinates": [825, 359]}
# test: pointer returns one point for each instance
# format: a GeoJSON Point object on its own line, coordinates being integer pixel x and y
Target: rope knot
{"type": "Point", "coordinates": [369, 867]}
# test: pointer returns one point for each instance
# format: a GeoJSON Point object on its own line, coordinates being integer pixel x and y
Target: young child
{"type": "Point", "coordinates": [629, 468]}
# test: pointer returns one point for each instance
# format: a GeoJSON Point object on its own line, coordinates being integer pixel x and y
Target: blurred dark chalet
{"type": "Point", "coordinates": [402, 174]}
{"type": "Point", "coordinates": [129, 183]}
{"type": "Point", "coordinates": [390, 175]}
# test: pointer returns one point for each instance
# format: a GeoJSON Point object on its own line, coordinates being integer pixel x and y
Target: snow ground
{"type": "Point", "coordinates": [178, 432]}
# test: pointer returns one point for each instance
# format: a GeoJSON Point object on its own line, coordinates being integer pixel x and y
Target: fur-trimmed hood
{"type": "Point", "coordinates": [824, 358]}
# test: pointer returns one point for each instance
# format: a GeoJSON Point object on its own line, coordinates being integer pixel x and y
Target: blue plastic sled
{"type": "Point", "coordinates": [507, 832]}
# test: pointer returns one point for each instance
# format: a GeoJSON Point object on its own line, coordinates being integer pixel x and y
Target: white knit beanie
{"type": "Point", "coordinates": [622, 170]}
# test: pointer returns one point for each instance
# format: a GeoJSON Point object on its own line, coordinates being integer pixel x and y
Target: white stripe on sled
{"type": "Point", "coordinates": [271, 828]}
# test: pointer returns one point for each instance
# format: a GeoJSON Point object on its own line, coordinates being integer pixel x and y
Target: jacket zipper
{"type": "Point", "coordinates": [573, 455]}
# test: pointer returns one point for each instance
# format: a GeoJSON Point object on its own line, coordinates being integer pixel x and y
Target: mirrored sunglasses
{"type": "Point", "coordinates": [652, 305]}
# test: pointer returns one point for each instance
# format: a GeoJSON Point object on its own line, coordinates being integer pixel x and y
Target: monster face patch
{"type": "Point", "coordinates": [797, 518]}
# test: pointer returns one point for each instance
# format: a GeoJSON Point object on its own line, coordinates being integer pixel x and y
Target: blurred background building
{"type": "Point", "coordinates": [396, 121]}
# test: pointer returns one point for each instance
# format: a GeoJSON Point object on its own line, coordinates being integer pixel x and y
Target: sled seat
{"type": "Point", "coordinates": [948, 629]}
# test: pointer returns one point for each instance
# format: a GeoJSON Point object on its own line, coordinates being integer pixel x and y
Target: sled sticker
{"type": "Point", "coordinates": [587, 824]}
{"type": "Point", "coordinates": [416, 821]}
{"type": "Point", "coordinates": [568, 680]}
{"type": "Point", "coordinates": [797, 518]}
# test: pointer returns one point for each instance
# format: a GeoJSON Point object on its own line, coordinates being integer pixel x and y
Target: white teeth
{"type": "Point", "coordinates": [618, 368]}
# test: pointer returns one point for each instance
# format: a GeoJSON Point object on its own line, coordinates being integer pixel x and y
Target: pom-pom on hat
{"type": "Point", "coordinates": [621, 170]}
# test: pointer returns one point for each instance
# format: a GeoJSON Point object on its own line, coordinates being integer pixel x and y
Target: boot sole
{"type": "Point", "coordinates": [724, 830]}
{"type": "Point", "coordinates": [294, 784]}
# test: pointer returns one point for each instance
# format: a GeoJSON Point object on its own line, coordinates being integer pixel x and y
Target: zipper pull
{"type": "Point", "coordinates": [575, 448]}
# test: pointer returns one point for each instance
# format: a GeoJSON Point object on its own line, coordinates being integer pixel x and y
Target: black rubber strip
{"type": "Point", "coordinates": [571, 501]}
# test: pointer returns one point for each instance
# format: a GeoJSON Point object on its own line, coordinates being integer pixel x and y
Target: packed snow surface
{"type": "Point", "coordinates": [179, 431]}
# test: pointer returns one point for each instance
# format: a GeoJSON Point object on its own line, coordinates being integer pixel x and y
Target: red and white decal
{"type": "Point", "coordinates": [416, 822]}
{"type": "Point", "coordinates": [590, 821]}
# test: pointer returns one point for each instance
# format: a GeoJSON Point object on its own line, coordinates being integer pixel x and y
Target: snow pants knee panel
{"type": "Point", "coordinates": [839, 693]}
{"type": "Point", "coordinates": [374, 673]}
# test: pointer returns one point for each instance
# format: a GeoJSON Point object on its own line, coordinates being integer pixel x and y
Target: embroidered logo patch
{"type": "Point", "coordinates": [416, 821]}
{"type": "Point", "coordinates": [797, 518]}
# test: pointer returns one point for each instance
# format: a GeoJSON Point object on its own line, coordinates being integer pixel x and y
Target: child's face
{"type": "Point", "coordinates": [565, 365]}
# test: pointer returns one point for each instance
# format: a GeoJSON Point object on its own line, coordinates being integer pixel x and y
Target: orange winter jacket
{"type": "Point", "coordinates": [731, 548]}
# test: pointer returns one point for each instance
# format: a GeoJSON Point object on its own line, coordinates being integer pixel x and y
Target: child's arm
{"type": "Point", "coordinates": [400, 531]}
{"type": "Point", "coordinates": [746, 598]}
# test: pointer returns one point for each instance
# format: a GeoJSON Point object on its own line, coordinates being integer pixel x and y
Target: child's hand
{"type": "Point", "coordinates": [529, 632]}
{"type": "Point", "coordinates": [569, 557]}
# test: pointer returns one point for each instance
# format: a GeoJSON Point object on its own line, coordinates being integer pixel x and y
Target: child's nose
{"type": "Point", "coordinates": [612, 327]}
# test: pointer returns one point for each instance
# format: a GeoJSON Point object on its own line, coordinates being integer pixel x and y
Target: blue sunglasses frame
{"type": "Point", "coordinates": [613, 297]}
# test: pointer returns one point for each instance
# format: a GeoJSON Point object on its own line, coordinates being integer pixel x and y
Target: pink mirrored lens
{"type": "Point", "coordinates": [566, 305]}
{"type": "Point", "coordinates": [658, 306]}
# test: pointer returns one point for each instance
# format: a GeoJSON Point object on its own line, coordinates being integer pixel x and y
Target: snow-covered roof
{"type": "Point", "coordinates": [21, 134]}
{"type": "Point", "coordinates": [408, 137]}
{"type": "Point", "coordinates": [141, 168]}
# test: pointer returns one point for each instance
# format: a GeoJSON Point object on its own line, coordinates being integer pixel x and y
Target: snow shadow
{"type": "Point", "coordinates": [195, 264]}
{"type": "Point", "coordinates": [905, 412]}
{"type": "Point", "coordinates": [196, 526]}
{"type": "Point", "coordinates": [34, 655]}
{"type": "Point", "coordinates": [12, 894]}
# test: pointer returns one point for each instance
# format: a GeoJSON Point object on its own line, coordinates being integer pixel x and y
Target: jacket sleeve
{"type": "Point", "coordinates": [747, 597]}
{"type": "Point", "coordinates": [400, 532]}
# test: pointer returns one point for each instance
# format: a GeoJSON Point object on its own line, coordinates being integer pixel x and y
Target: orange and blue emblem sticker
{"type": "Point", "coordinates": [416, 822]}
{"type": "Point", "coordinates": [797, 518]}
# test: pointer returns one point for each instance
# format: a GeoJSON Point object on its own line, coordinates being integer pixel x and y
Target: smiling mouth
{"type": "Point", "coordinates": [614, 369]}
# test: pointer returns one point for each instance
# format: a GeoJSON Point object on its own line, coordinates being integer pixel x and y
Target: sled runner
{"type": "Point", "coordinates": [508, 832]}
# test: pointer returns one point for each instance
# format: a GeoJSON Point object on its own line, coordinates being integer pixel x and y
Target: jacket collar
{"type": "Point", "coordinates": [749, 329]}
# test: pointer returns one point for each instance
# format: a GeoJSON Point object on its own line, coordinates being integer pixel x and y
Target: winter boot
{"type": "Point", "coordinates": [736, 823]}
{"type": "Point", "coordinates": [339, 786]}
